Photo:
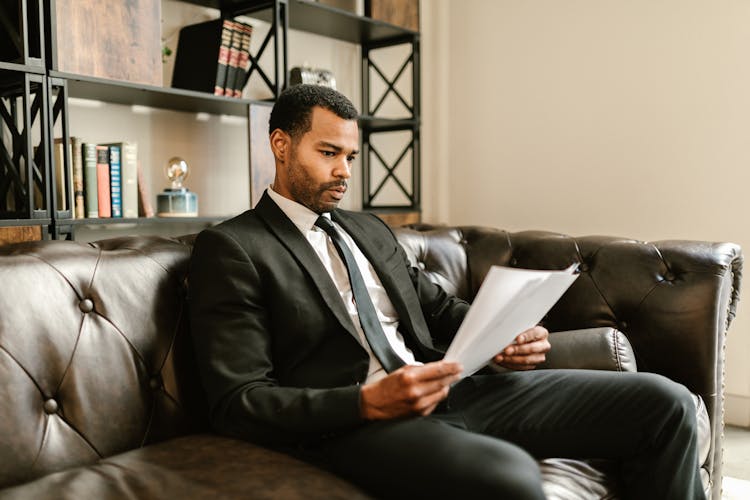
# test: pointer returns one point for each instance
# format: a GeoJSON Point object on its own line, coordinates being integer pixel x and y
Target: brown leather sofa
{"type": "Point", "coordinates": [98, 390]}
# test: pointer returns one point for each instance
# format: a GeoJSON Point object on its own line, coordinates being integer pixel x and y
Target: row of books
{"type": "Point", "coordinates": [105, 180]}
{"type": "Point", "coordinates": [214, 57]}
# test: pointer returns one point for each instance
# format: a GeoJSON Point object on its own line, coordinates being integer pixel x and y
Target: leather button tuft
{"type": "Point", "coordinates": [155, 382]}
{"type": "Point", "coordinates": [669, 276]}
{"type": "Point", "coordinates": [513, 261]}
{"type": "Point", "coordinates": [583, 267]}
{"type": "Point", "coordinates": [50, 406]}
{"type": "Point", "coordinates": [86, 305]}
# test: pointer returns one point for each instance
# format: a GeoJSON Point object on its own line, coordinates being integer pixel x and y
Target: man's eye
{"type": "Point", "coordinates": [329, 153]}
{"type": "Point", "coordinates": [351, 158]}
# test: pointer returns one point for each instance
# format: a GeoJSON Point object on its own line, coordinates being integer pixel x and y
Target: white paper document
{"type": "Point", "coordinates": [509, 302]}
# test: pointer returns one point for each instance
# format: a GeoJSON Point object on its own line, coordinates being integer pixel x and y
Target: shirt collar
{"type": "Point", "coordinates": [300, 215]}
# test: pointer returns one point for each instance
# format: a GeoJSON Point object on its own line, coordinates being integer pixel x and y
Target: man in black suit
{"type": "Point", "coordinates": [314, 335]}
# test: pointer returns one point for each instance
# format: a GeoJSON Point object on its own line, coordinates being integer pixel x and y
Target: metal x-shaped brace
{"type": "Point", "coordinates": [390, 170]}
{"type": "Point", "coordinates": [392, 85]}
{"type": "Point", "coordinates": [254, 64]}
{"type": "Point", "coordinates": [10, 161]}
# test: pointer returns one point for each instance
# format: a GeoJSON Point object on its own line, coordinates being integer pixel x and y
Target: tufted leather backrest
{"type": "Point", "coordinates": [657, 293]}
{"type": "Point", "coordinates": [92, 351]}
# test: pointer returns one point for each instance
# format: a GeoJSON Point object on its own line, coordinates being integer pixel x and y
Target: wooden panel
{"type": "Point", "coordinates": [116, 40]}
{"type": "Point", "coordinates": [262, 163]}
{"type": "Point", "coordinates": [400, 218]}
{"type": "Point", "coordinates": [404, 13]}
{"type": "Point", "coordinates": [18, 234]}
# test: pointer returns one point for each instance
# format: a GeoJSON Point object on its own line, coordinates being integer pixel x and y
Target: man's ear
{"type": "Point", "coordinates": [280, 144]}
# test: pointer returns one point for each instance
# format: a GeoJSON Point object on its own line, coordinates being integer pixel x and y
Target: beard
{"type": "Point", "coordinates": [306, 191]}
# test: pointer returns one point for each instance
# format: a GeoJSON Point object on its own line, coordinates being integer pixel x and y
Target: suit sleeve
{"type": "Point", "coordinates": [442, 311]}
{"type": "Point", "coordinates": [232, 337]}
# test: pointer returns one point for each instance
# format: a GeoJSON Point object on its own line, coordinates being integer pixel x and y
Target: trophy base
{"type": "Point", "coordinates": [177, 202]}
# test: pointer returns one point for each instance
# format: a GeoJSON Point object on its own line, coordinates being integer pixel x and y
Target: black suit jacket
{"type": "Point", "coordinates": [277, 351]}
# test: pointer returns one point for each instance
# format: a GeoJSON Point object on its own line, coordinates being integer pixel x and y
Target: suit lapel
{"type": "Point", "coordinates": [397, 285]}
{"type": "Point", "coordinates": [290, 236]}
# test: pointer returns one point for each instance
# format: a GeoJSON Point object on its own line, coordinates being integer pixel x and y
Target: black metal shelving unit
{"type": "Point", "coordinates": [34, 97]}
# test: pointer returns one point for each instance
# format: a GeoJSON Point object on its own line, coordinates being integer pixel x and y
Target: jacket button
{"type": "Point", "coordinates": [50, 406]}
{"type": "Point", "coordinates": [86, 305]}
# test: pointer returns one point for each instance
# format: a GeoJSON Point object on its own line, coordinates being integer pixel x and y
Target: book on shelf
{"type": "Point", "coordinates": [102, 181]}
{"type": "Point", "coordinates": [145, 207]}
{"type": "Point", "coordinates": [77, 161]}
{"type": "Point", "coordinates": [129, 178]}
{"type": "Point", "coordinates": [234, 58]}
{"type": "Point", "coordinates": [221, 67]}
{"type": "Point", "coordinates": [90, 181]}
{"type": "Point", "coordinates": [243, 62]}
{"type": "Point", "coordinates": [115, 180]}
{"type": "Point", "coordinates": [210, 57]}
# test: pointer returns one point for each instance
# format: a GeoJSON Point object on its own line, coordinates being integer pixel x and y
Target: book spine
{"type": "Point", "coordinates": [77, 155]}
{"type": "Point", "coordinates": [102, 181]}
{"type": "Point", "coordinates": [115, 181]}
{"type": "Point", "coordinates": [221, 68]}
{"type": "Point", "coordinates": [146, 208]}
{"type": "Point", "coordinates": [243, 66]}
{"type": "Point", "coordinates": [129, 164]}
{"type": "Point", "coordinates": [90, 190]}
{"type": "Point", "coordinates": [234, 57]}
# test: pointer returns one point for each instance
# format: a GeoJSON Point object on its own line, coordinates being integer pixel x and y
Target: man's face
{"type": "Point", "coordinates": [320, 161]}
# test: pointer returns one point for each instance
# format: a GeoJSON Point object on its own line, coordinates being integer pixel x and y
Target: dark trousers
{"type": "Point", "coordinates": [483, 440]}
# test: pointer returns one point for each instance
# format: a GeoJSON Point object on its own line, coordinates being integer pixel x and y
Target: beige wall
{"type": "Point", "coordinates": [593, 117]}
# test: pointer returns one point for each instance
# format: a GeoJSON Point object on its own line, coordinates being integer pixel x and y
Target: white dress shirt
{"type": "Point", "coordinates": [304, 219]}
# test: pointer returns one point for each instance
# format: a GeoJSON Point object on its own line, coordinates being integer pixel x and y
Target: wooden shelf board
{"type": "Point", "coordinates": [119, 92]}
{"type": "Point", "coordinates": [24, 222]}
{"type": "Point", "coordinates": [106, 221]}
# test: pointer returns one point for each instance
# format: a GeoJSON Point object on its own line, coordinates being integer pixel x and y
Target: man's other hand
{"type": "Point", "coordinates": [410, 390]}
{"type": "Point", "coordinates": [528, 351]}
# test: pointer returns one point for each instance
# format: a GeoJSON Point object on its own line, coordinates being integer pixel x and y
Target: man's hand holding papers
{"type": "Point", "coordinates": [527, 351]}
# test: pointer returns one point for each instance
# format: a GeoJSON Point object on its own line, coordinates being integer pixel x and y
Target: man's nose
{"type": "Point", "coordinates": [343, 169]}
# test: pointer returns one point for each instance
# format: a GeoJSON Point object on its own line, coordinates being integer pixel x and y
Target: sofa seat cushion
{"type": "Point", "coordinates": [197, 466]}
{"type": "Point", "coordinates": [208, 466]}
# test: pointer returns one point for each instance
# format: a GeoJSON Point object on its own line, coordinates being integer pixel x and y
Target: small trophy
{"type": "Point", "coordinates": [177, 201]}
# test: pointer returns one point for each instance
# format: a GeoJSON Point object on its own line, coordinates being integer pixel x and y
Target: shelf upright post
{"type": "Point", "coordinates": [365, 155]}
{"type": "Point", "coordinates": [280, 26]}
{"type": "Point", "coordinates": [57, 108]}
{"type": "Point", "coordinates": [416, 161]}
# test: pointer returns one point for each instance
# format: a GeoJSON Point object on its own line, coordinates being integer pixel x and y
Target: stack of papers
{"type": "Point", "coordinates": [509, 302]}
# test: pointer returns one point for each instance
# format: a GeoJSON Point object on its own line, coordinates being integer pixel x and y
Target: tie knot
{"type": "Point", "coordinates": [326, 225]}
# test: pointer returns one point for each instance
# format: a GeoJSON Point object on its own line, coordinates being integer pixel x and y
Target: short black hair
{"type": "Point", "coordinates": [293, 110]}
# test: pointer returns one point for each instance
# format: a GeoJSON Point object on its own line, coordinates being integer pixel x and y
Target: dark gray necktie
{"type": "Point", "coordinates": [368, 318]}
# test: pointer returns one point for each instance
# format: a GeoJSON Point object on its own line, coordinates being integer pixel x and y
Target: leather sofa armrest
{"type": "Point", "coordinates": [592, 349]}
